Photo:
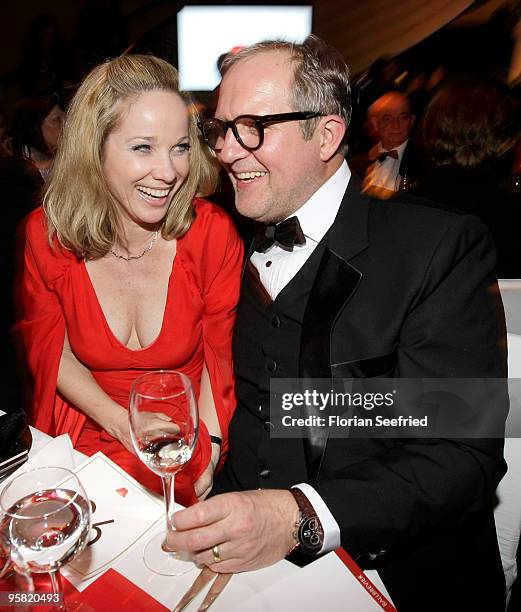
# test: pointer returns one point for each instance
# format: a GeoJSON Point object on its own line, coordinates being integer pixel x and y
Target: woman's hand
{"type": "Point", "coordinates": [119, 428]}
{"type": "Point", "coordinates": [152, 425]}
{"type": "Point", "coordinates": [204, 483]}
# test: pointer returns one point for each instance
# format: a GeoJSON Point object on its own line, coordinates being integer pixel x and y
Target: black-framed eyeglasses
{"type": "Point", "coordinates": [247, 129]}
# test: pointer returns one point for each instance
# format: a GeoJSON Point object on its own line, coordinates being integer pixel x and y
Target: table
{"type": "Point", "coordinates": [129, 585]}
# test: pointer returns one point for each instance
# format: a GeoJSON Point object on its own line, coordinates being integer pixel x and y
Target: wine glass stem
{"type": "Point", "coordinates": [56, 584]}
{"type": "Point", "coordinates": [168, 488]}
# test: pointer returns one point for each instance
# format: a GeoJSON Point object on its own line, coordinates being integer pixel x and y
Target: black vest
{"type": "Point", "coordinates": [266, 344]}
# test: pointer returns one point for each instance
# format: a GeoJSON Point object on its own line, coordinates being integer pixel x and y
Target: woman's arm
{"type": "Point", "coordinates": [207, 410]}
{"type": "Point", "coordinates": [224, 253]}
{"type": "Point", "coordinates": [208, 413]}
{"type": "Point", "coordinates": [76, 383]}
{"type": "Point", "coordinates": [221, 261]}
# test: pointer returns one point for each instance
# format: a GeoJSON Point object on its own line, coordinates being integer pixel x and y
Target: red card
{"type": "Point", "coordinates": [111, 592]}
{"type": "Point", "coordinates": [108, 593]}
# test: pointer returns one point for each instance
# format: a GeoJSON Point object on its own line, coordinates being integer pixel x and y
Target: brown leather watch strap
{"type": "Point", "coordinates": [303, 502]}
{"type": "Point", "coordinates": [309, 533]}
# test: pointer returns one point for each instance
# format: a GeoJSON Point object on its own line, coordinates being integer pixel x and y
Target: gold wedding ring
{"type": "Point", "coordinates": [216, 555]}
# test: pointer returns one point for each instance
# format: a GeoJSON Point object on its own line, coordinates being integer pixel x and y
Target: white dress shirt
{"type": "Point", "coordinates": [385, 174]}
{"type": "Point", "coordinates": [316, 216]}
{"type": "Point", "coordinates": [277, 267]}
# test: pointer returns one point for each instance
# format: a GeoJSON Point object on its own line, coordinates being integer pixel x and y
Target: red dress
{"type": "Point", "coordinates": [203, 291]}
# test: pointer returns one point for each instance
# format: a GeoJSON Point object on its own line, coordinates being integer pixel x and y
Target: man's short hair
{"type": "Point", "coordinates": [320, 78]}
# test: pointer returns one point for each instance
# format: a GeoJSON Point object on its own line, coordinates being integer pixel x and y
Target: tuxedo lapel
{"type": "Point", "coordinates": [334, 285]}
{"type": "Point", "coordinates": [258, 289]}
{"type": "Point", "coordinates": [248, 254]}
{"type": "Point", "coordinates": [348, 234]}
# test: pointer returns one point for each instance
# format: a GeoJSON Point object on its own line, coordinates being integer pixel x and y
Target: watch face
{"type": "Point", "coordinates": [311, 535]}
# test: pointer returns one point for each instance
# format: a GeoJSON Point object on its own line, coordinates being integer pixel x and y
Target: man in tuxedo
{"type": "Point", "coordinates": [341, 286]}
{"type": "Point", "coordinates": [390, 161]}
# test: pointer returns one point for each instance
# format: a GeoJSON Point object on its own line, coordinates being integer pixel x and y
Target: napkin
{"type": "Point", "coordinates": [52, 452]}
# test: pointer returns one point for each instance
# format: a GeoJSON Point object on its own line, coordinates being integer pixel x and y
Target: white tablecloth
{"type": "Point", "coordinates": [283, 586]}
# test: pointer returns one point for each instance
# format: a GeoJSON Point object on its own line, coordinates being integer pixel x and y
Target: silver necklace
{"type": "Point", "coordinates": [152, 242]}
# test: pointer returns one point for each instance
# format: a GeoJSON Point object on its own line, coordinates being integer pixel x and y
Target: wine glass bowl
{"type": "Point", "coordinates": [164, 423]}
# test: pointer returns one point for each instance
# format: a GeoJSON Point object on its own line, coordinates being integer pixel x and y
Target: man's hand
{"type": "Point", "coordinates": [252, 529]}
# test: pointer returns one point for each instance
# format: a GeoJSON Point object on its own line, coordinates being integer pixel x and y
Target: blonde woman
{"type": "Point", "coordinates": [126, 270]}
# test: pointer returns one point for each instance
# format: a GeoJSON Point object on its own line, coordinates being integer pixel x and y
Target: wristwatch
{"type": "Point", "coordinates": [309, 534]}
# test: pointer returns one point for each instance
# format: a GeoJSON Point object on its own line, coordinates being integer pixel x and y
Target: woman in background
{"type": "Point", "coordinates": [466, 145]}
{"type": "Point", "coordinates": [37, 127]}
{"type": "Point", "coordinates": [126, 270]}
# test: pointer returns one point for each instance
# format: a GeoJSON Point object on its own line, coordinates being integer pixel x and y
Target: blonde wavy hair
{"type": "Point", "coordinates": [80, 210]}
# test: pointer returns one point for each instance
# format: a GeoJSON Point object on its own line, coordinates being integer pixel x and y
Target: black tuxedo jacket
{"type": "Point", "coordinates": [410, 292]}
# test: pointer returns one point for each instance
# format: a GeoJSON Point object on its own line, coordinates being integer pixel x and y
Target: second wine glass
{"type": "Point", "coordinates": [45, 524]}
{"type": "Point", "coordinates": [164, 423]}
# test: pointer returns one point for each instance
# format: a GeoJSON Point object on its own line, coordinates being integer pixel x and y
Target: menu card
{"type": "Point", "coordinates": [123, 512]}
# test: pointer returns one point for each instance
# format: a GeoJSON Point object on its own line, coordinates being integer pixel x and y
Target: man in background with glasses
{"type": "Point", "coordinates": [390, 161]}
{"type": "Point", "coordinates": [338, 285]}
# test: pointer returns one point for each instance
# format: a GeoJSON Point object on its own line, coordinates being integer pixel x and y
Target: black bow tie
{"type": "Point", "coordinates": [384, 154]}
{"type": "Point", "coordinates": [286, 234]}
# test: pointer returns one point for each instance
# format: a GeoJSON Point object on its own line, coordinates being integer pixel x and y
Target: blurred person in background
{"type": "Point", "coordinates": [386, 165]}
{"type": "Point", "coordinates": [37, 127]}
{"type": "Point", "coordinates": [20, 185]}
{"type": "Point", "coordinates": [467, 151]}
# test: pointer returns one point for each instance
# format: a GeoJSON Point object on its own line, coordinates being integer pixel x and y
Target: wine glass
{"type": "Point", "coordinates": [45, 522]}
{"type": "Point", "coordinates": [164, 423]}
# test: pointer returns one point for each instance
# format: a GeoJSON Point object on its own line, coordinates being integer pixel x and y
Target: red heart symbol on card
{"type": "Point", "coordinates": [122, 491]}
